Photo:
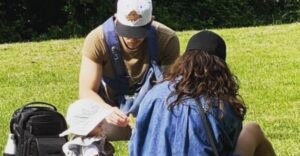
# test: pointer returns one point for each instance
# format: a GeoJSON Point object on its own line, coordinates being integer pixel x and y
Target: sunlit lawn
{"type": "Point", "coordinates": [266, 59]}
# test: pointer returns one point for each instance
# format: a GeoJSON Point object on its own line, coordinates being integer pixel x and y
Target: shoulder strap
{"type": "Point", "coordinates": [153, 49]}
{"type": "Point", "coordinates": [116, 59]}
{"type": "Point", "coordinates": [121, 82]}
{"type": "Point", "coordinates": [152, 45]}
{"type": "Point", "coordinates": [113, 46]}
{"type": "Point", "coordinates": [207, 127]}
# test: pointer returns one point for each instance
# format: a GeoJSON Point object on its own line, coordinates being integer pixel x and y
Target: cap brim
{"type": "Point", "coordinates": [132, 32]}
{"type": "Point", "coordinates": [85, 128]}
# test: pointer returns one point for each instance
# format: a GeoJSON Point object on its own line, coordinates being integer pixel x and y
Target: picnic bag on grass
{"type": "Point", "coordinates": [35, 128]}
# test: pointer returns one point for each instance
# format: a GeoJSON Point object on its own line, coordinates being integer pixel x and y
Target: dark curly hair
{"type": "Point", "coordinates": [205, 74]}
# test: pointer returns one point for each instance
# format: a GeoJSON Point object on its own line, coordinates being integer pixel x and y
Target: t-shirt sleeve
{"type": "Point", "coordinates": [93, 46]}
{"type": "Point", "coordinates": [171, 51]}
{"type": "Point", "coordinates": [91, 150]}
{"type": "Point", "coordinates": [168, 45]}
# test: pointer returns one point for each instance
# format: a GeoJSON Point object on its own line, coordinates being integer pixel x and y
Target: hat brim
{"type": "Point", "coordinates": [85, 128]}
{"type": "Point", "coordinates": [132, 31]}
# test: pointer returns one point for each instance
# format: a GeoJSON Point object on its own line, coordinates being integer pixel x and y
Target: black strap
{"type": "Point", "coordinates": [207, 127]}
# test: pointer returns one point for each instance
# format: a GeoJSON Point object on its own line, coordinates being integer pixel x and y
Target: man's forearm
{"type": "Point", "coordinates": [90, 94]}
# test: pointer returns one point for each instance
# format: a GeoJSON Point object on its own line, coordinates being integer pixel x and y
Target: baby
{"type": "Point", "coordinates": [86, 120]}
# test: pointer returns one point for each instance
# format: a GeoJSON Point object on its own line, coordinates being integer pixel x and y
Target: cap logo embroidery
{"type": "Point", "coordinates": [133, 16]}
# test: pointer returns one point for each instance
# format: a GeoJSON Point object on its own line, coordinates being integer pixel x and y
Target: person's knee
{"type": "Point", "coordinates": [263, 145]}
{"type": "Point", "coordinates": [250, 134]}
{"type": "Point", "coordinates": [254, 127]}
{"type": "Point", "coordinates": [249, 139]}
{"type": "Point", "coordinates": [116, 133]}
{"type": "Point", "coordinates": [254, 130]}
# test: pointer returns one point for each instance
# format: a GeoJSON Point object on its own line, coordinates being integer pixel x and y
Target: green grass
{"type": "Point", "coordinates": [266, 59]}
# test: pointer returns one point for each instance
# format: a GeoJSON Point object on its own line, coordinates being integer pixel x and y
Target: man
{"type": "Point", "coordinates": [133, 22]}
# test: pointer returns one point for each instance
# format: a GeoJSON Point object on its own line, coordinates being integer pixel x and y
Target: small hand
{"type": "Point", "coordinates": [117, 117]}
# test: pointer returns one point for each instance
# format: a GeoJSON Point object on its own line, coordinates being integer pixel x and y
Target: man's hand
{"type": "Point", "coordinates": [117, 117]}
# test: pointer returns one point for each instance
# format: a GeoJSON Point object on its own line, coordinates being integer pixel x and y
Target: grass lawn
{"type": "Point", "coordinates": [266, 59]}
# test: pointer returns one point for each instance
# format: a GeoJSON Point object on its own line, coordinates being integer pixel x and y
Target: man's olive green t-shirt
{"type": "Point", "coordinates": [136, 61]}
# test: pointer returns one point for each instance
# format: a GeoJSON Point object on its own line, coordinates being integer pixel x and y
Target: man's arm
{"type": "Point", "coordinates": [89, 82]}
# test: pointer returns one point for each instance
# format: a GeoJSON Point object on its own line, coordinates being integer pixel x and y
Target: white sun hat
{"type": "Point", "coordinates": [133, 17]}
{"type": "Point", "coordinates": [83, 116]}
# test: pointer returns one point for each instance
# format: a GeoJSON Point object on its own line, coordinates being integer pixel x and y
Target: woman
{"type": "Point", "coordinates": [169, 121]}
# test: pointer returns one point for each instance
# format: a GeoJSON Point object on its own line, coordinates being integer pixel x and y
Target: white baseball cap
{"type": "Point", "coordinates": [133, 18]}
{"type": "Point", "coordinates": [83, 116]}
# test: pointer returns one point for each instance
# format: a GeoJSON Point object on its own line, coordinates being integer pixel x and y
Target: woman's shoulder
{"type": "Point", "coordinates": [161, 89]}
{"type": "Point", "coordinates": [157, 95]}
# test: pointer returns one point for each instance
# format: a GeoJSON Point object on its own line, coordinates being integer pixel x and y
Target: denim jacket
{"type": "Point", "coordinates": [180, 131]}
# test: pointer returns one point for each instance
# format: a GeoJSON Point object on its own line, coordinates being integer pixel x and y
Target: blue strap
{"type": "Point", "coordinates": [152, 46]}
{"type": "Point", "coordinates": [121, 81]}
{"type": "Point", "coordinates": [114, 48]}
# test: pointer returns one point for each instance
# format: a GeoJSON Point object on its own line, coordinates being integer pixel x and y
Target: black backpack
{"type": "Point", "coordinates": [36, 128]}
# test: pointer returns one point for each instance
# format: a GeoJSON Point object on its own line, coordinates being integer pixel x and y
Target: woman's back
{"type": "Point", "coordinates": [180, 130]}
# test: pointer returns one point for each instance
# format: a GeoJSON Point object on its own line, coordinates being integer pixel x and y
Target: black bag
{"type": "Point", "coordinates": [36, 128]}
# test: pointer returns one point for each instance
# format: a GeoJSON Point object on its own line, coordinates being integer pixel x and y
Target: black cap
{"type": "Point", "coordinates": [209, 42]}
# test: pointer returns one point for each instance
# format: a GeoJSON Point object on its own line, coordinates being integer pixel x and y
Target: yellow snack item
{"type": "Point", "coordinates": [131, 121]}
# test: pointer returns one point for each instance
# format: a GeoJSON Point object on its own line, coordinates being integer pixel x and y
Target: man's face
{"type": "Point", "coordinates": [133, 43]}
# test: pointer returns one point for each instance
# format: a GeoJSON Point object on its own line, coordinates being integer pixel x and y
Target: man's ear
{"type": "Point", "coordinates": [153, 18]}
